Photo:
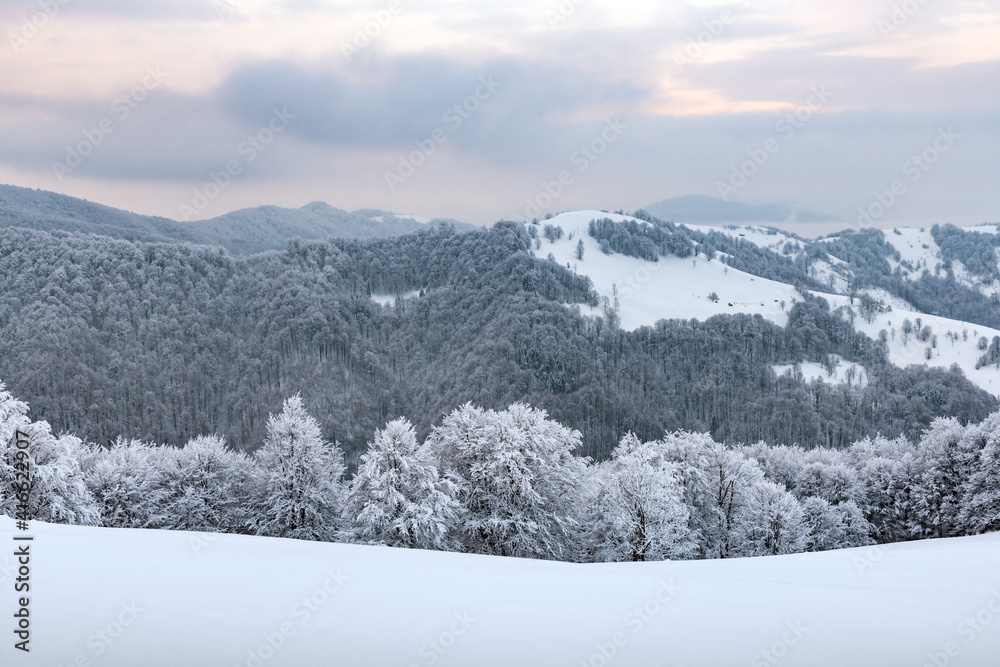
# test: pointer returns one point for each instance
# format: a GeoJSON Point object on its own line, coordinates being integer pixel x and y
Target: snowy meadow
{"type": "Point", "coordinates": [365, 580]}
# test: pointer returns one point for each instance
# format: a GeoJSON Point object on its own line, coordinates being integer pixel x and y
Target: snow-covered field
{"type": "Point", "coordinates": [135, 598]}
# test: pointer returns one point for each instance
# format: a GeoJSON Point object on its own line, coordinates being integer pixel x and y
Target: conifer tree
{"type": "Point", "coordinates": [397, 497]}
{"type": "Point", "coordinates": [300, 488]}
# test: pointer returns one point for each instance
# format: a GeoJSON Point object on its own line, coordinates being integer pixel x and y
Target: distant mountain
{"type": "Point", "coordinates": [700, 209]}
{"type": "Point", "coordinates": [241, 232]}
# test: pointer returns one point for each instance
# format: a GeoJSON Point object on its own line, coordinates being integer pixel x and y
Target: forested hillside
{"type": "Point", "coordinates": [943, 270]}
{"type": "Point", "coordinates": [240, 232]}
{"type": "Point", "coordinates": [165, 342]}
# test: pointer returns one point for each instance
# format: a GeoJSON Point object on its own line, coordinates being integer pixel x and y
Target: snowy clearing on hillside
{"type": "Point", "coordinates": [672, 288]}
{"type": "Point", "coordinates": [916, 247]}
{"type": "Point", "coordinates": [130, 598]}
{"type": "Point", "coordinates": [762, 237]}
{"type": "Point", "coordinates": [844, 372]}
{"type": "Point", "coordinates": [949, 341]}
{"type": "Point", "coordinates": [390, 299]}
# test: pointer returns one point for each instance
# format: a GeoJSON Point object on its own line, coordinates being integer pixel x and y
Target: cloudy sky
{"type": "Point", "coordinates": [480, 111]}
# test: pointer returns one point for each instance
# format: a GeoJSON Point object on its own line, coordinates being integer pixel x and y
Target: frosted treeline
{"type": "Point", "coordinates": [508, 483]}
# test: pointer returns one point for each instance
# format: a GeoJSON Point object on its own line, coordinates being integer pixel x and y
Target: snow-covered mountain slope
{"type": "Point", "coordinates": [950, 341]}
{"type": "Point", "coordinates": [675, 288]}
{"type": "Point", "coordinates": [671, 288]}
{"type": "Point", "coordinates": [763, 237]}
{"type": "Point", "coordinates": [919, 251]}
{"type": "Point", "coordinates": [116, 597]}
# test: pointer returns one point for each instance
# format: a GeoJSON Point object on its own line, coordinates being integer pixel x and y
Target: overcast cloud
{"type": "Point", "coordinates": [494, 102]}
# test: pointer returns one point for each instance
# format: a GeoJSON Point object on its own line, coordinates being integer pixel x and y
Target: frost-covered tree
{"type": "Point", "coordinates": [771, 522]}
{"type": "Point", "coordinates": [60, 494]}
{"type": "Point", "coordinates": [56, 490]}
{"type": "Point", "coordinates": [781, 464]}
{"type": "Point", "coordinates": [125, 481]}
{"type": "Point", "coordinates": [300, 489]}
{"type": "Point", "coordinates": [716, 480]}
{"type": "Point", "coordinates": [638, 512]}
{"type": "Point", "coordinates": [518, 479]}
{"type": "Point", "coordinates": [206, 487]}
{"type": "Point", "coordinates": [13, 418]}
{"type": "Point", "coordinates": [834, 482]}
{"type": "Point", "coordinates": [397, 497]}
{"type": "Point", "coordinates": [834, 526]}
{"type": "Point", "coordinates": [887, 471]}
{"type": "Point", "coordinates": [981, 505]}
{"type": "Point", "coordinates": [948, 454]}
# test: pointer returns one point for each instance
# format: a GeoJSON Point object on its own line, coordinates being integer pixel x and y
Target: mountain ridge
{"type": "Point", "coordinates": [245, 231]}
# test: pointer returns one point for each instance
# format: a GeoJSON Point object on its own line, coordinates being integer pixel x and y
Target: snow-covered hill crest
{"type": "Point", "coordinates": [644, 292]}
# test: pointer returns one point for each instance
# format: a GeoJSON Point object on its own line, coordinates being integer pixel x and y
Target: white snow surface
{"type": "Point", "coordinates": [813, 370]}
{"type": "Point", "coordinates": [671, 288]}
{"type": "Point", "coordinates": [961, 348]}
{"type": "Point", "coordinates": [911, 244]}
{"type": "Point", "coordinates": [164, 599]}
{"type": "Point", "coordinates": [762, 237]}
{"type": "Point", "coordinates": [390, 299]}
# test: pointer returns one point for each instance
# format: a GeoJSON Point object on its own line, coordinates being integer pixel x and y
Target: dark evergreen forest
{"type": "Point", "coordinates": [166, 341]}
